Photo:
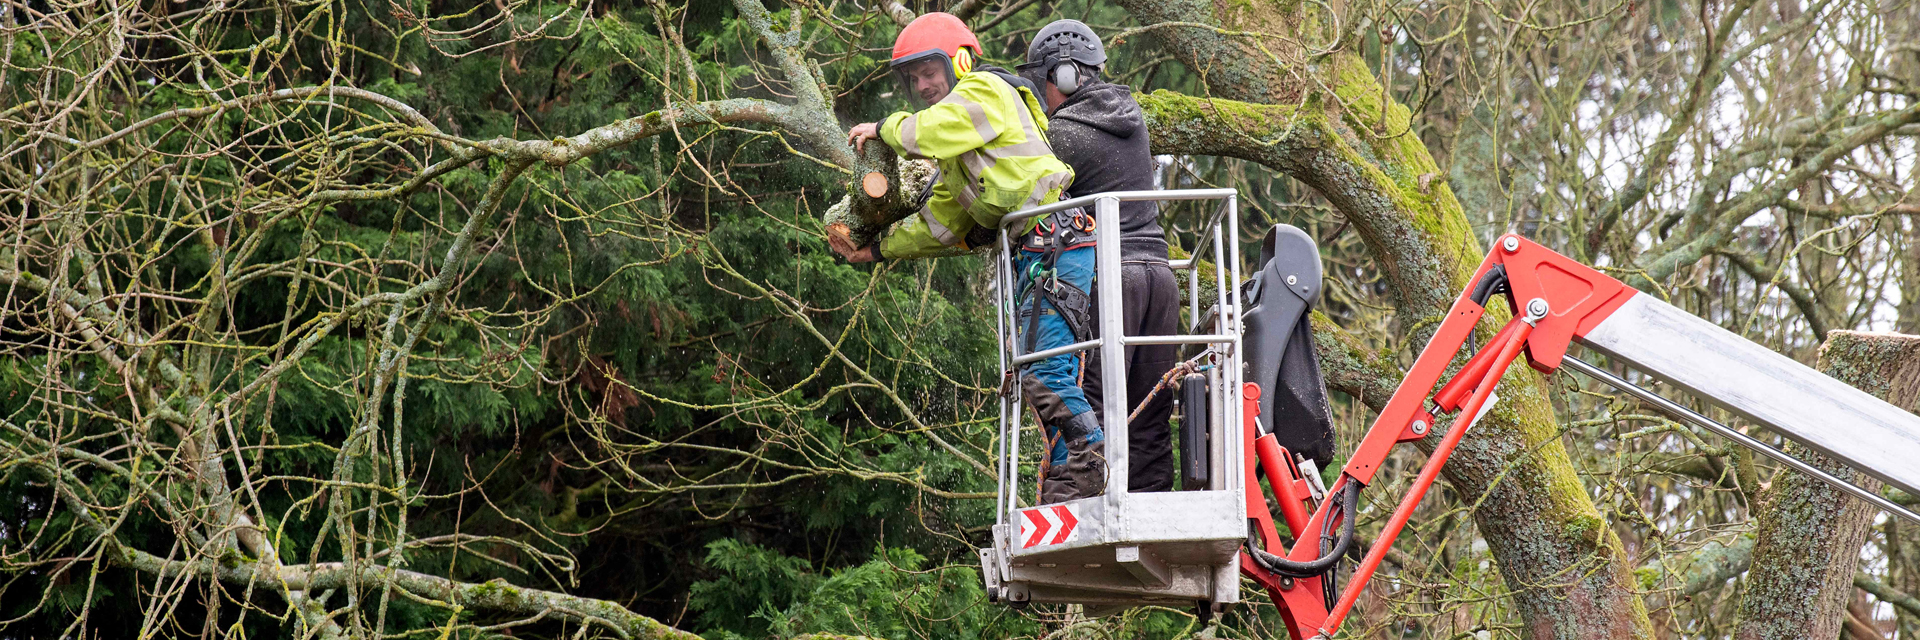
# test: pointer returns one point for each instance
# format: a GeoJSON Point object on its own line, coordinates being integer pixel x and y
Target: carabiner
{"type": "Point", "coordinates": [1085, 223]}
{"type": "Point", "coordinates": [1038, 273]}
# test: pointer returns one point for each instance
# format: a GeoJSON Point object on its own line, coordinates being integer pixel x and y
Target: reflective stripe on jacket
{"type": "Point", "coordinates": [988, 138]}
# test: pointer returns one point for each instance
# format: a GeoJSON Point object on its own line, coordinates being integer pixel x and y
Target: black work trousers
{"type": "Point", "coordinates": [1149, 306]}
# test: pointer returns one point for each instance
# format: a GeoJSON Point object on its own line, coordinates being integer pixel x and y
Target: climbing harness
{"type": "Point", "coordinates": [1060, 232]}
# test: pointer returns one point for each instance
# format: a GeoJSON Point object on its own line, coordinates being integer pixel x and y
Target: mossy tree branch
{"type": "Point", "coordinates": [1807, 547]}
{"type": "Point", "coordinates": [1329, 125]}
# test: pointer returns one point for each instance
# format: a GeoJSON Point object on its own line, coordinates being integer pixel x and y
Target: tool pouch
{"type": "Point", "coordinates": [1062, 230]}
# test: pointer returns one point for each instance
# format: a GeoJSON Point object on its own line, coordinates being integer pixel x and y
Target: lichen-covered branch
{"type": "Point", "coordinates": [494, 595]}
{"type": "Point", "coordinates": [1329, 124]}
{"type": "Point", "coordinates": [1713, 226]}
{"type": "Point", "coordinates": [1802, 299]}
{"type": "Point", "coordinates": [1887, 594]}
{"type": "Point", "coordinates": [1709, 566]}
{"type": "Point", "coordinates": [813, 115]}
{"type": "Point", "coordinates": [1807, 546]}
{"type": "Point", "coordinates": [813, 121]}
{"type": "Point", "coordinates": [1653, 163]}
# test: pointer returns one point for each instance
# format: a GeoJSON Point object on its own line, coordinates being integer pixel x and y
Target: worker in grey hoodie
{"type": "Point", "coordinates": [1098, 129]}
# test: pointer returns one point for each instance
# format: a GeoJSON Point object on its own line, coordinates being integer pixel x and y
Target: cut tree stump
{"type": "Point", "coordinates": [879, 198]}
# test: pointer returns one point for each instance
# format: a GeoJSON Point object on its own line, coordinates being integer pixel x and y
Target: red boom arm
{"type": "Point", "coordinates": [1563, 300]}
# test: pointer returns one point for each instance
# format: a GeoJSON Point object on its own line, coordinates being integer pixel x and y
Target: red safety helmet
{"type": "Point", "coordinates": [934, 47]}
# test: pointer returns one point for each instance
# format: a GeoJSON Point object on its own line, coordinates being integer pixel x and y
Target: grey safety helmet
{"type": "Point", "coordinates": [1057, 44]}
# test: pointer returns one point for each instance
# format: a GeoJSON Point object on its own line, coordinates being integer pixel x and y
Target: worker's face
{"type": "Point", "coordinates": [927, 80]}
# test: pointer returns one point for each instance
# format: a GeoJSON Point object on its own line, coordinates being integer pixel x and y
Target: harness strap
{"type": "Point", "coordinates": [1051, 239]}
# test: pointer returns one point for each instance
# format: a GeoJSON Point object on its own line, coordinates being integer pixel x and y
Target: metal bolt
{"type": "Point", "coordinates": [1286, 582]}
{"type": "Point", "coordinates": [1419, 427]}
{"type": "Point", "coordinates": [1511, 243]}
{"type": "Point", "coordinates": [1537, 308]}
{"type": "Point", "coordinates": [1292, 280]}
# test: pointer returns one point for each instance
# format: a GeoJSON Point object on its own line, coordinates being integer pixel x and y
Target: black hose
{"type": "Point", "coordinates": [1349, 496]}
{"type": "Point", "coordinates": [1495, 281]}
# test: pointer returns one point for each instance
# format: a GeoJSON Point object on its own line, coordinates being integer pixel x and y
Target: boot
{"type": "Point", "coordinates": [1084, 474]}
{"type": "Point", "coordinates": [1056, 487]}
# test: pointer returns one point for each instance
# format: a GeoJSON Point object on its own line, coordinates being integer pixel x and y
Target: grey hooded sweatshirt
{"type": "Point", "coordinates": [1101, 133]}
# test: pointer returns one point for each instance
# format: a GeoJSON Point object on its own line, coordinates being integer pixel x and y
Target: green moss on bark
{"type": "Point", "coordinates": [1810, 534]}
{"type": "Point", "coordinates": [1354, 145]}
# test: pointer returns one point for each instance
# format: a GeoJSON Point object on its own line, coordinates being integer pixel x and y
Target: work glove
{"type": "Point", "coordinates": [981, 236]}
{"type": "Point", "coordinates": [869, 253]}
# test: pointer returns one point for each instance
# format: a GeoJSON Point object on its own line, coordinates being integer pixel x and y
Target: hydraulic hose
{"type": "Point", "coordinates": [1495, 281]}
{"type": "Point", "coordinates": [1349, 497]}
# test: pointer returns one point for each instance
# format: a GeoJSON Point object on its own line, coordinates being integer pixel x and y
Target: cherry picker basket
{"type": "Point", "coordinates": [1125, 548]}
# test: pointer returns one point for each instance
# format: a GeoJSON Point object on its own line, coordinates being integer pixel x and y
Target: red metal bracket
{"type": "Point", "coordinates": [1578, 297]}
{"type": "Point", "coordinates": [1483, 391]}
{"type": "Point", "coordinates": [1257, 508]}
{"type": "Point", "coordinates": [1265, 456]}
{"type": "Point", "coordinates": [1397, 418]}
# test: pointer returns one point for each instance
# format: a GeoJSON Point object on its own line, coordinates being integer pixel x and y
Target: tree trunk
{"type": "Point", "coordinates": [1808, 546]}
{"type": "Point", "coordinates": [870, 204]}
{"type": "Point", "coordinates": [1567, 568]}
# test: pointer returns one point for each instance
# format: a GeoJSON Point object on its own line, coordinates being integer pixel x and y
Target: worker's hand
{"type": "Point", "coordinates": [852, 253]}
{"type": "Point", "coordinates": [861, 133]}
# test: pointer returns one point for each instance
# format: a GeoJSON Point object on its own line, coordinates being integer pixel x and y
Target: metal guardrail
{"type": "Point", "coordinates": [1225, 336]}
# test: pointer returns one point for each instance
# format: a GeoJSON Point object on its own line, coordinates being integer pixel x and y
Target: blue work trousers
{"type": "Point", "coordinates": [1060, 374]}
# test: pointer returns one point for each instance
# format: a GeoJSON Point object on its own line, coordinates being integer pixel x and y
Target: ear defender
{"type": "Point", "coordinates": [1066, 78]}
{"type": "Point", "coordinates": [962, 62]}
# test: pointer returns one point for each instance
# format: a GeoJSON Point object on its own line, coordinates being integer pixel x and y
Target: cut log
{"type": "Point", "coordinates": [861, 216]}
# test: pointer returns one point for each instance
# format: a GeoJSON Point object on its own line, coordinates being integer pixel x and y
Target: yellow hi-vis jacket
{"type": "Point", "coordinates": [988, 138]}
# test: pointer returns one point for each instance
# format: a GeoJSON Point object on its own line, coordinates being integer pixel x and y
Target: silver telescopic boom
{"type": "Point", "coordinates": [1769, 389]}
{"type": "Point", "coordinates": [1691, 417]}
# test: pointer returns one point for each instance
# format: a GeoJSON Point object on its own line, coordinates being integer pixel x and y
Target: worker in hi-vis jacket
{"type": "Point", "coordinates": [985, 129]}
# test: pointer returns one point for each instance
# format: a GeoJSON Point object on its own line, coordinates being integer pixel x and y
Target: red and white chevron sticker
{"type": "Point", "coordinates": [1051, 524]}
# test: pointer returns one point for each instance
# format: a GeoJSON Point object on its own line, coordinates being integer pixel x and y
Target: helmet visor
{"type": "Point", "coordinates": [925, 77]}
